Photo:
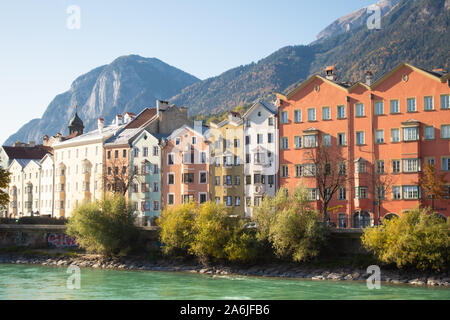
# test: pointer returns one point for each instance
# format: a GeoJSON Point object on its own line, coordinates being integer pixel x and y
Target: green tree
{"type": "Point", "coordinates": [417, 239]}
{"type": "Point", "coordinates": [105, 226]}
{"type": "Point", "coordinates": [294, 230]}
{"type": "Point", "coordinates": [5, 179]}
{"type": "Point", "coordinates": [176, 225]}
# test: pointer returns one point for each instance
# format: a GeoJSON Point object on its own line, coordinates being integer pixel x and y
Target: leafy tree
{"type": "Point", "coordinates": [417, 239]}
{"type": "Point", "coordinates": [244, 245]}
{"type": "Point", "coordinates": [433, 183]}
{"type": "Point", "coordinates": [105, 226]}
{"type": "Point", "coordinates": [213, 229]}
{"type": "Point", "coordinates": [290, 225]}
{"type": "Point", "coordinates": [176, 225]}
{"type": "Point", "coordinates": [5, 179]}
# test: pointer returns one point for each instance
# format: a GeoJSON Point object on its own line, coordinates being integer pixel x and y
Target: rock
{"type": "Point", "coordinates": [320, 277]}
{"type": "Point", "coordinates": [416, 282]}
{"type": "Point", "coordinates": [432, 282]}
{"type": "Point", "coordinates": [348, 277]}
{"type": "Point", "coordinates": [334, 276]}
{"type": "Point", "coordinates": [203, 270]}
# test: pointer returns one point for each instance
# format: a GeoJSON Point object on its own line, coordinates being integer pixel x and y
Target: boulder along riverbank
{"type": "Point", "coordinates": [279, 270]}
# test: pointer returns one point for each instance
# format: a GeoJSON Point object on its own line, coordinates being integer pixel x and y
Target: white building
{"type": "Point", "coordinates": [47, 186]}
{"type": "Point", "coordinates": [261, 154]}
{"type": "Point", "coordinates": [31, 183]}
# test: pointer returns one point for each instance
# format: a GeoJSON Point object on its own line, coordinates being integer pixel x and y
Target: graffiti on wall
{"type": "Point", "coordinates": [61, 240]}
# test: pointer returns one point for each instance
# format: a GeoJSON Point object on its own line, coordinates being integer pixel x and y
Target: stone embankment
{"type": "Point", "coordinates": [269, 270]}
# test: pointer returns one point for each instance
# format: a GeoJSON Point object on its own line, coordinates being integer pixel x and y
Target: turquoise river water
{"type": "Point", "coordinates": [39, 282]}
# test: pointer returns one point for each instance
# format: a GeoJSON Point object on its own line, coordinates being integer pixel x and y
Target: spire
{"type": "Point", "coordinates": [76, 124]}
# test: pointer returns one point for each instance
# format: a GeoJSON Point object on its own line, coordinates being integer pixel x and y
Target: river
{"type": "Point", "coordinates": [42, 282]}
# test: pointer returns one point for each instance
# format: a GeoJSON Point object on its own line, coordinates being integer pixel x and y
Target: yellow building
{"type": "Point", "coordinates": [226, 163]}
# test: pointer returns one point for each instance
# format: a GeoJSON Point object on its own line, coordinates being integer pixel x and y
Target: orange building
{"type": "Point", "coordinates": [185, 167]}
{"type": "Point", "coordinates": [386, 130]}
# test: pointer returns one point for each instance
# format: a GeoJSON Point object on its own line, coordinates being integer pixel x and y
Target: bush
{"type": "Point", "coordinates": [294, 230]}
{"type": "Point", "coordinates": [106, 226]}
{"type": "Point", "coordinates": [417, 239]}
{"type": "Point", "coordinates": [244, 246]}
{"type": "Point", "coordinates": [176, 232]}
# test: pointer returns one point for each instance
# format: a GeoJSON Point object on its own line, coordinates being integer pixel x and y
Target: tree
{"type": "Point", "coordinates": [417, 239]}
{"type": "Point", "coordinates": [117, 176]}
{"type": "Point", "coordinates": [329, 169]}
{"type": "Point", "coordinates": [105, 226]}
{"type": "Point", "coordinates": [432, 183]}
{"type": "Point", "coordinates": [382, 183]}
{"type": "Point", "coordinates": [5, 179]}
{"type": "Point", "coordinates": [176, 225]}
{"type": "Point", "coordinates": [290, 225]}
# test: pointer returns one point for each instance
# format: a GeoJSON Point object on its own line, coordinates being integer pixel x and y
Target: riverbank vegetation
{"type": "Point", "coordinates": [418, 239]}
{"type": "Point", "coordinates": [105, 226]}
{"type": "Point", "coordinates": [283, 226]}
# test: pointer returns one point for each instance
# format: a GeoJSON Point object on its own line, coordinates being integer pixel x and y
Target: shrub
{"type": "Point", "coordinates": [105, 226]}
{"type": "Point", "coordinates": [176, 232]}
{"type": "Point", "coordinates": [417, 239]}
{"type": "Point", "coordinates": [244, 246]}
{"type": "Point", "coordinates": [294, 230]}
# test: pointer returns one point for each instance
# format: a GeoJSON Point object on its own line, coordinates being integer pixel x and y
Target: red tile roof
{"type": "Point", "coordinates": [36, 152]}
{"type": "Point", "coordinates": [142, 118]}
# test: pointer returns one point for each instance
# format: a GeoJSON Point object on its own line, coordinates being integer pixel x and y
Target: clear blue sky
{"type": "Point", "coordinates": [40, 56]}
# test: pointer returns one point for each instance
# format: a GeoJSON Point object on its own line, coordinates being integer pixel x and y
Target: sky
{"type": "Point", "coordinates": [41, 52]}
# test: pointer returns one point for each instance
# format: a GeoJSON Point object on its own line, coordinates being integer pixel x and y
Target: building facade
{"type": "Point", "coordinates": [261, 154]}
{"type": "Point", "coordinates": [386, 130]}
{"type": "Point", "coordinates": [226, 165]}
{"type": "Point", "coordinates": [185, 167]}
{"type": "Point", "coordinates": [47, 184]}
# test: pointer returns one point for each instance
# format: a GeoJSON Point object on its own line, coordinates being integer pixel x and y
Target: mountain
{"type": "Point", "coordinates": [414, 31]}
{"type": "Point", "coordinates": [129, 83]}
{"type": "Point", "coordinates": [356, 19]}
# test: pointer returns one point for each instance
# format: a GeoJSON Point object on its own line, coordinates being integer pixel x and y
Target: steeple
{"type": "Point", "coordinates": [76, 124]}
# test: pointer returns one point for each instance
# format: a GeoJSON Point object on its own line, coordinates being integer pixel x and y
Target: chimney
{"type": "Point", "coordinates": [330, 72]}
{"type": "Point", "coordinates": [101, 123]}
{"type": "Point", "coordinates": [128, 116]}
{"type": "Point", "coordinates": [118, 120]}
{"type": "Point", "coordinates": [161, 106]}
{"type": "Point", "coordinates": [369, 78]}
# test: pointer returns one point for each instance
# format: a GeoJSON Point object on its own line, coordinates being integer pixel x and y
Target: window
{"type": "Point", "coordinates": [342, 194]}
{"type": "Point", "coordinates": [217, 181]}
{"type": "Point", "coordinates": [194, 140]}
{"type": "Point", "coordinates": [217, 200]}
{"type": "Point", "coordinates": [270, 138]}
{"type": "Point", "coordinates": [446, 163]}
{"type": "Point", "coordinates": [341, 112]}
{"type": "Point", "coordinates": [135, 188]}
{"type": "Point", "coordinates": [202, 177]}
{"type": "Point", "coordinates": [237, 180]}
{"type": "Point", "coordinates": [247, 140]}
{"type": "Point", "coordinates": [298, 170]}
{"type": "Point", "coordinates": [270, 120]}
{"type": "Point", "coordinates": [297, 142]}
{"type": "Point", "coordinates": [342, 168]}
{"type": "Point", "coordinates": [228, 200]}
{"type": "Point", "coordinates": [411, 165]}
{"type": "Point", "coordinates": [326, 140]}
{"type": "Point", "coordinates": [155, 205]}
{"type": "Point", "coordinates": [360, 137]}
{"type": "Point", "coordinates": [341, 139]}
{"type": "Point", "coordinates": [202, 197]}
{"type": "Point", "coordinates": [237, 201]}
{"type": "Point", "coordinates": [429, 133]}
{"type": "Point", "coordinates": [312, 114]}
{"type": "Point", "coordinates": [217, 161]}
{"type": "Point", "coordinates": [411, 134]}
{"type": "Point", "coordinates": [395, 135]}
{"type": "Point", "coordinates": [155, 187]}
{"type": "Point", "coordinates": [411, 105]}
{"type": "Point", "coordinates": [188, 178]}
{"type": "Point", "coordinates": [310, 141]}
{"type": "Point", "coordinates": [445, 101]}
{"type": "Point", "coordinates": [379, 136]}
{"type": "Point", "coordinates": [297, 116]}
{"type": "Point", "coordinates": [284, 117]}
{"type": "Point", "coordinates": [396, 193]}
{"type": "Point", "coordinates": [259, 158]}
{"type": "Point", "coordinates": [326, 113]}
{"type": "Point", "coordinates": [155, 169]}
{"type": "Point", "coordinates": [227, 181]}
{"type": "Point", "coordinates": [145, 187]}
{"type": "Point", "coordinates": [144, 152]}
{"type": "Point", "coordinates": [395, 107]}
{"type": "Point", "coordinates": [177, 141]}
{"type": "Point", "coordinates": [379, 107]}
{"type": "Point", "coordinates": [109, 154]}
{"type": "Point", "coordinates": [203, 156]}
{"type": "Point", "coordinates": [445, 131]}
{"type": "Point", "coordinates": [312, 194]}
{"type": "Point", "coordinates": [380, 166]}
{"type": "Point", "coordinates": [237, 160]}
{"type": "Point", "coordinates": [360, 110]}
{"type": "Point", "coordinates": [136, 152]}
{"type": "Point", "coordinates": [410, 192]}
{"type": "Point", "coordinates": [361, 192]}
{"type": "Point", "coordinates": [170, 199]}
{"type": "Point", "coordinates": [381, 192]}
{"type": "Point", "coordinates": [361, 166]}
{"type": "Point", "coordinates": [170, 178]}
{"type": "Point", "coordinates": [248, 179]}
{"type": "Point", "coordinates": [309, 170]}
{"type": "Point", "coordinates": [284, 171]}
{"type": "Point", "coordinates": [395, 166]}
{"type": "Point", "coordinates": [284, 143]}
{"type": "Point", "coordinates": [236, 143]}
{"type": "Point", "coordinates": [428, 103]}
{"type": "Point", "coordinates": [430, 161]}
{"type": "Point", "coordinates": [259, 138]}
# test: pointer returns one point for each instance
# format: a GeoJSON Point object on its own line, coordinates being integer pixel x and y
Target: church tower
{"type": "Point", "coordinates": [76, 124]}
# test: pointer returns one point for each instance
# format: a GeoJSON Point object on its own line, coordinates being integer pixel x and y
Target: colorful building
{"type": "Point", "coordinates": [261, 154]}
{"type": "Point", "coordinates": [185, 166]}
{"type": "Point", "coordinates": [386, 129]}
{"type": "Point", "coordinates": [227, 167]}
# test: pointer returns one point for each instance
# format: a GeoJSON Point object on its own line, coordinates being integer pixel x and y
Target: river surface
{"type": "Point", "coordinates": [42, 282]}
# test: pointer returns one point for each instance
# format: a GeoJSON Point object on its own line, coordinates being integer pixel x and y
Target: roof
{"type": "Point", "coordinates": [90, 136]}
{"type": "Point", "coordinates": [142, 118]}
{"type": "Point", "coordinates": [178, 131]}
{"type": "Point", "coordinates": [124, 137]}
{"type": "Point", "coordinates": [76, 122]}
{"type": "Point", "coordinates": [36, 152]}
{"type": "Point", "coordinates": [268, 106]}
